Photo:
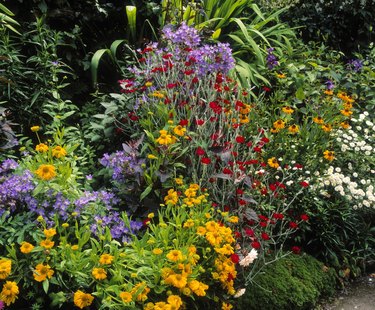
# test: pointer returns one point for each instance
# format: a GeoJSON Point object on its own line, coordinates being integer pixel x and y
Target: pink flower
{"type": "Point", "coordinates": [249, 258]}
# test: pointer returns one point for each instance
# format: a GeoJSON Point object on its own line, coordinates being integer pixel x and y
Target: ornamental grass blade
{"type": "Point", "coordinates": [95, 63]}
{"type": "Point", "coordinates": [131, 13]}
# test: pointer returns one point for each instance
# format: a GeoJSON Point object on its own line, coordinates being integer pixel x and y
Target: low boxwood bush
{"type": "Point", "coordinates": [293, 282]}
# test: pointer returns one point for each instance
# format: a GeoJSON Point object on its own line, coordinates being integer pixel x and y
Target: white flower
{"type": "Point", "coordinates": [240, 292]}
{"type": "Point", "coordinates": [338, 169]}
{"type": "Point", "coordinates": [249, 258]}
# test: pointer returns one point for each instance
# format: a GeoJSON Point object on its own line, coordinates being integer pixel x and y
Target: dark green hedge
{"type": "Point", "coordinates": [295, 282]}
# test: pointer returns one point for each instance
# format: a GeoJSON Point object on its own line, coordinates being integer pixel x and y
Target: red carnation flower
{"type": "Point", "coordinates": [265, 236]}
{"type": "Point", "coordinates": [240, 139]}
{"type": "Point", "coordinates": [293, 225]}
{"type": "Point", "coordinates": [205, 160]}
{"type": "Point", "coordinates": [200, 151]}
{"type": "Point", "coordinates": [235, 258]}
{"type": "Point", "coordinates": [296, 249]}
{"type": "Point", "coordinates": [304, 217]}
{"type": "Point", "coordinates": [255, 245]}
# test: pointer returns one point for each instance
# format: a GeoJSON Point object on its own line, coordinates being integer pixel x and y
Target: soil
{"type": "Point", "coordinates": [358, 295]}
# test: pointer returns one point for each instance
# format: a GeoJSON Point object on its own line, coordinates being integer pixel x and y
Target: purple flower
{"type": "Point", "coordinates": [329, 85]}
{"type": "Point", "coordinates": [355, 65]}
{"type": "Point", "coordinates": [271, 59]}
{"type": "Point", "coordinates": [183, 35]}
{"type": "Point", "coordinates": [2, 305]}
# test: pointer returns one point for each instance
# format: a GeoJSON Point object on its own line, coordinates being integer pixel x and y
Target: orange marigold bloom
{"type": "Point", "coordinates": [58, 152]}
{"type": "Point", "coordinates": [329, 155]}
{"type": "Point", "coordinates": [106, 259]}
{"type": "Point", "coordinates": [5, 268]}
{"type": "Point", "coordinates": [46, 172]}
{"type": "Point", "coordinates": [327, 127]}
{"type": "Point", "coordinates": [42, 272]}
{"type": "Point", "coordinates": [82, 300]}
{"type": "Point", "coordinates": [318, 120]}
{"type": "Point", "coordinates": [26, 247]}
{"type": "Point", "coordinates": [272, 162]}
{"type": "Point", "coordinates": [99, 273]}
{"type": "Point", "coordinates": [279, 124]}
{"type": "Point", "coordinates": [41, 147]}
{"type": "Point", "coordinates": [9, 293]}
{"type": "Point", "coordinates": [175, 255]}
{"type": "Point", "coordinates": [287, 110]}
{"type": "Point", "coordinates": [293, 128]}
{"type": "Point", "coordinates": [49, 233]}
{"type": "Point", "coordinates": [47, 244]}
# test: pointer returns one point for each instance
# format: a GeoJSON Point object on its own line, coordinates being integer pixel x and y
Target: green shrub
{"type": "Point", "coordinates": [295, 282]}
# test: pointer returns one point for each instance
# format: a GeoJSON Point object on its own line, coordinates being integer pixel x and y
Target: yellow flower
{"type": "Point", "coordinates": [151, 215]}
{"type": "Point", "coordinates": [227, 249]}
{"type": "Point", "coordinates": [179, 181]}
{"type": "Point", "coordinates": [189, 223]}
{"type": "Point", "coordinates": [174, 255]}
{"type": "Point", "coordinates": [179, 130]}
{"type": "Point", "coordinates": [346, 112]}
{"type": "Point", "coordinates": [26, 247]}
{"type": "Point", "coordinates": [329, 155]}
{"type": "Point", "coordinates": [151, 156]}
{"type": "Point", "coordinates": [75, 247]}
{"type": "Point", "coordinates": [344, 125]}
{"type": "Point", "coordinates": [35, 128]}
{"type": "Point", "coordinates": [47, 244]}
{"type": "Point", "coordinates": [198, 288]}
{"type": "Point", "coordinates": [281, 75]}
{"type": "Point", "coordinates": [126, 297]}
{"type": "Point", "coordinates": [327, 127]}
{"type": "Point", "coordinates": [106, 259]}
{"type": "Point", "coordinates": [164, 138]}
{"type": "Point", "coordinates": [65, 225]}
{"type": "Point", "coordinates": [328, 92]}
{"type": "Point", "coordinates": [99, 273]}
{"type": "Point", "coordinates": [211, 226]}
{"type": "Point", "coordinates": [148, 84]}
{"type": "Point", "coordinates": [157, 94]}
{"type": "Point", "coordinates": [41, 147]}
{"type": "Point", "coordinates": [82, 300]}
{"type": "Point", "coordinates": [233, 219]}
{"type": "Point", "coordinates": [190, 192]}
{"type": "Point", "coordinates": [214, 238]}
{"type": "Point", "coordinates": [157, 251]}
{"type": "Point", "coordinates": [58, 152]}
{"type": "Point", "coordinates": [46, 172]}
{"type": "Point", "coordinates": [49, 233]}
{"type": "Point", "coordinates": [42, 272]}
{"type": "Point", "coordinates": [279, 124]}
{"type": "Point", "coordinates": [272, 162]}
{"type": "Point", "coordinates": [9, 293]}
{"type": "Point", "coordinates": [318, 120]}
{"type": "Point", "coordinates": [140, 290]}
{"type": "Point", "coordinates": [244, 119]}
{"type": "Point", "coordinates": [172, 197]}
{"type": "Point", "coordinates": [293, 129]}
{"type": "Point", "coordinates": [201, 231]}
{"type": "Point", "coordinates": [226, 306]}
{"type": "Point", "coordinates": [175, 301]}
{"type": "Point", "coordinates": [287, 110]}
{"type": "Point", "coordinates": [5, 268]}
{"type": "Point", "coordinates": [177, 280]}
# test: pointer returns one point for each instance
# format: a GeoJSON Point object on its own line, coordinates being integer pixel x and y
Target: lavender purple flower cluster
{"type": "Point", "coordinates": [14, 189]}
{"type": "Point", "coordinates": [355, 65]}
{"type": "Point", "coordinates": [123, 165]}
{"type": "Point", "coordinates": [184, 35]}
{"type": "Point", "coordinates": [271, 59]}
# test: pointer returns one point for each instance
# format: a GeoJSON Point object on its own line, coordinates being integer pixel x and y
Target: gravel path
{"type": "Point", "coordinates": [359, 295]}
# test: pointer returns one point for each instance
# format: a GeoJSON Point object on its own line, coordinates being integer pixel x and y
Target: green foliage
{"type": "Point", "coordinates": [293, 282]}
{"type": "Point", "coordinates": [344, 25]}
{"type": "Point", "coordinates": [6, 20]}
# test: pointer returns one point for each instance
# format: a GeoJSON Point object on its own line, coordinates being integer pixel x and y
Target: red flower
{"type": "Point", "coordinates": [219, 78]}
{"type": "Point", "coordinates": [293, 225]}
{"type": "Point", "coordinates": [265, 140]}
{"type": "Point", "coordinates": [304, 217]}
{"type": "Point", "coordinates": [171, 85]}
{"type": "Point", "coordinates": [195, 80]}
{"type": "Point", "coordinates": [298, 166]}
{"type": "Point", "coordinates": [249, 232]}
{"type": "Point", "coordinates": [183, 122]}
{"type": "Point", "coordinates": [304, 184]}
{"type": "Point", "coordinates": [189, 72]}
{"type": "Point", "coordinates": [263, 218]}
{"type": "Point", "coordinates": [255, 245]}
{"type": "Point", "coordinates": [257, 149]}
{"type": "Point", "coordinates": [237, 235]}
{"type": "Point", "coordinates": [200, 151]}
{"type": "Point", "coordinates": [199, 122]}
{"type": "Point", "coordinates": [265, 236]}
{"type": "Point", "coordinates": [235, 258]}
{"type": "Point", "coordinates": [263, 224]}
{"type": "Point", "coordinates": [227, 171]}
{"type": "Point", "coordinates": [266, 89]}
{"type": "Point", "coordinates": [205, 160]}
{"type": "Point", "coordinates": [242, 202]}
{"type": "Point", "coordinates": [296, 249]}
{"type": "Point", "coordinates": [278, 216]}
{"type": "Point", "coordinates": [240, 139]}
{"type": "Point", "coordinates": [239, 191]}
{"type": "Point", "coordinates": [226, 208]}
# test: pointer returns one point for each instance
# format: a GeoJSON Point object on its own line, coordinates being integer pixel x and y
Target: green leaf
{"type": "Point", "coordinates": [300, 94]}
{"type": "Point", "coordinates": [46, 286]}
{"type": "Point", "coordinates": [131, 13]}
{"type": "Point", "coordinates": [95, 63]}
{"type": "Point", "coordinates": [146, 192]}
